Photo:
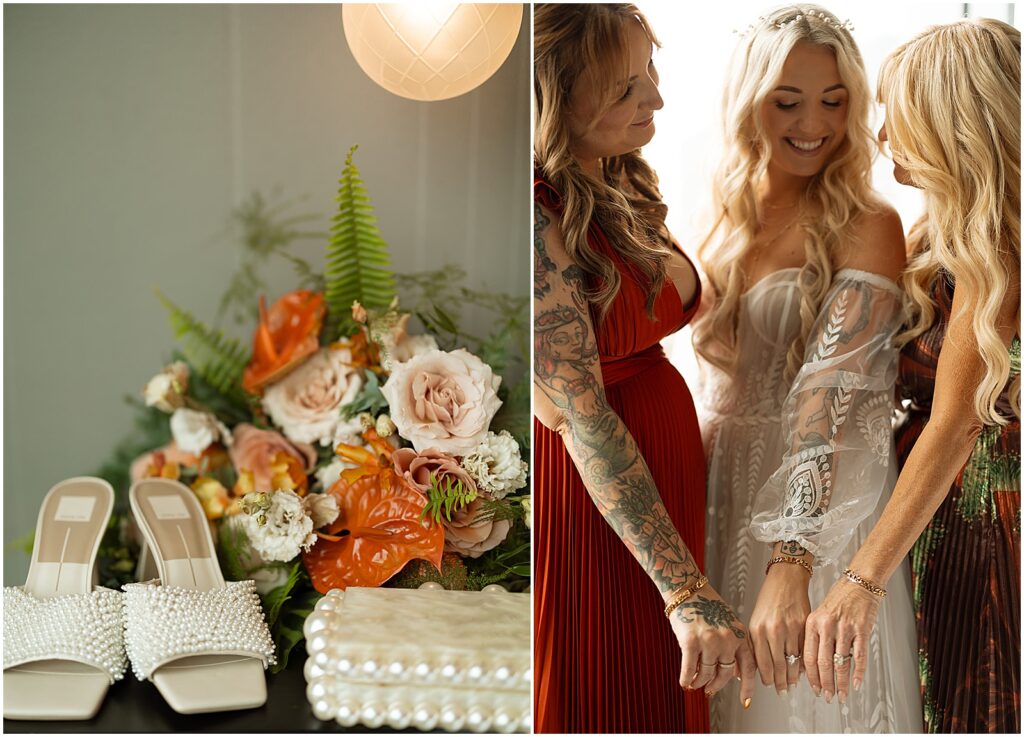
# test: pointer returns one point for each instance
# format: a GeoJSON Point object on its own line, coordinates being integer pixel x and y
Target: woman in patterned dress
{"type": "Point", "coordinates": [953, 123]}
{"type": "Point", "coordinates": [799, 363]}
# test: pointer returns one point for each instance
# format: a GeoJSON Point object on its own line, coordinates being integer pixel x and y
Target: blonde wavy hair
{"type": "Point", "coordinates": [952, 98]}
{"type": "Point", "coordinates": [831, 202]}
{"type": "Point", "coordinates": [625, 203]}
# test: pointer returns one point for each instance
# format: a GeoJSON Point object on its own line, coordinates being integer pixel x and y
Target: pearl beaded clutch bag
{"type": "Point", "coordinates": [428, 659]}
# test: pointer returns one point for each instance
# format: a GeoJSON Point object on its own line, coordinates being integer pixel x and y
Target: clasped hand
{"type": "Point", "coordinates": [828, 644]}
{"type": "Point", "coordinates": [714, 643]}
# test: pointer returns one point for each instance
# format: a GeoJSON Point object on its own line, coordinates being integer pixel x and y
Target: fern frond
{"type": "Point", "coordinates": [445, 496]}
{"type": "Point", "coordinates": [358, 263]}
{"type": "Point", "coordinates": [216, 358]}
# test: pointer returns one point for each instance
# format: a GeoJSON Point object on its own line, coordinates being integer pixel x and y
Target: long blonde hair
{"type": "Point", "coordinates": [626, 204]}
{"type": "Point", "coordinates": [952, 97]}
{"type": "Point", "coordinates": [832, 200]}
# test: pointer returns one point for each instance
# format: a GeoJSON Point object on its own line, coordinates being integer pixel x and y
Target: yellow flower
{"type": "Point", "coordinates": [212, 495]}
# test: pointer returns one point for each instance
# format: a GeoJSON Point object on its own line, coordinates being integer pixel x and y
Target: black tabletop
{"type": "Point", "coordinates": [136, 706]}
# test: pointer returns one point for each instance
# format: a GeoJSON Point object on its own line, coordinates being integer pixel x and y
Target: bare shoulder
{"type": "Point", "coordinates": [547, 236]}
{"type": "Point", "coordinates": [878, 245]}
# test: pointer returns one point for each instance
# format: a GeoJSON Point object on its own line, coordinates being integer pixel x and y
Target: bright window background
{"type": "Point", "coordinates": [697, 41]}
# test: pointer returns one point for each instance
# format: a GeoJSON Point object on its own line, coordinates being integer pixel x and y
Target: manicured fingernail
{"type": "Point", "coordinates": [783, 692]}
{"type": "Point", "coordinates": [842, 697]}
{"type": "Point", "coordinates": [828, 697]}
{"type": "Point", "coordinates": [746, 702]}
{"type": "Point", "coordinates": [856, 684]}
{"type": "Point", "coordinates": [817, 690]}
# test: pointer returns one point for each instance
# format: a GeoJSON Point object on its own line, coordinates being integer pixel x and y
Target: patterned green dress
{"type": "Point", "coordinates": [966, 564]}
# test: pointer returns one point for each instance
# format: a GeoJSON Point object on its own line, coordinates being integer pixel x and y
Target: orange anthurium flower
{"type": "Point", "coordinates": [377, 532]}
{"type": "Point", "coordinates": [288, 333]}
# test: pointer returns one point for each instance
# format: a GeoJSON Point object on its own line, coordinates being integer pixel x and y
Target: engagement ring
{"type": "Point", "coordinates": [840, 660]}
{"type": "Point", "coordinates": [792, 659]}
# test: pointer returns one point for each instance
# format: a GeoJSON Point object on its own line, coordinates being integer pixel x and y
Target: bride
{"type": "Point", "coordinates": [798, 364]}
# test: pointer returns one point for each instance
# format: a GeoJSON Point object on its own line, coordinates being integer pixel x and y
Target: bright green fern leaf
{"type": "Point", "coordinates": [358, 263]}
{"type": "Point", "coordinates": [218, 359]}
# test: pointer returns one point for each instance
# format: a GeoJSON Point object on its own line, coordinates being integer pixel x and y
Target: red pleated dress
{"type": "Point", "coordinates": [605, 656]}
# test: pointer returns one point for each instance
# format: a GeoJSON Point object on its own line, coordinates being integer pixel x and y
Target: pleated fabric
{"type": "Point", "coordinates": [605, 656]}
{"type": "Point", "coordinates": [966, 564]}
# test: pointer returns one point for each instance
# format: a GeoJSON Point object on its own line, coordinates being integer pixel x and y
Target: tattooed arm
{"type": "Point", "coordinates": [570, 399]}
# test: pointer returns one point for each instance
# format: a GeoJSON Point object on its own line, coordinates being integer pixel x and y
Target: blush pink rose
{"type": "Point", "coordinates": [472, 539]}
{"type": "Point", "coordinates": [253, 450]}
{"type": "Point", "coordinates": [443, 400]}
{"type": "Point", "coordinates": [461, 534]}
{"type": "Point", "coordinates": [417, 468]}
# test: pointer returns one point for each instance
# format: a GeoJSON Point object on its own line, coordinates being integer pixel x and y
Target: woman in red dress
{"type": "Point", "coordinates": [619, 465]}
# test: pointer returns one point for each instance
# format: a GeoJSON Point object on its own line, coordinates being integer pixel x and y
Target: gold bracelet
{"type": "Point", "coordinates": [680, 596]}
{"type": "Point", "coordinates": [864, 583]}
{"type": "Point", "coordinates": [789, 559]}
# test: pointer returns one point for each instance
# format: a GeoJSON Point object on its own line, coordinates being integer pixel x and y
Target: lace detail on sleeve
{"type": "Point", "coordinates": [837, 420]}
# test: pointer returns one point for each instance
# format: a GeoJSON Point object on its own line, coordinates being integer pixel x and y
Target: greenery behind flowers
{"type": "Point", "coordinates": [356, 269]}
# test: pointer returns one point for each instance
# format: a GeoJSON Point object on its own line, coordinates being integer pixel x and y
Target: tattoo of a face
{"type": "Point", "coordinates": [542, 263]}
{"type": "Point", "coordinates": [792, 547]}
{"type": "Point", "coordinates": [715, 612]}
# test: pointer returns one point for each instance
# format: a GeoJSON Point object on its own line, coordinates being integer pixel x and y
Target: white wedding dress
{"type": "Point", "coordinates": [809, 460]}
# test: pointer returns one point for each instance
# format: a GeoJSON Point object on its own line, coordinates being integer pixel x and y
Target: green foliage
{"type": "Point", "coordinates": [287, 630]}
{"type": "Point", "coordinates": [219, 360]}
{"type": "Point", "coordinates": [454, 575]}
{"type": "Point", "coordinates": [444, 497]}
{"type": "Point", "coordinates": [516, 416]}
{"type": "Point", "coordinates": [266, 232]}
{"type": "Point", "coordinates": [369, 399]}
{"type": "Point", "coordinates": [357, 267]}
{"type": "Point", "coordinates": [507, 564]}
{"type": "Point", "coordinates": [437, 296]}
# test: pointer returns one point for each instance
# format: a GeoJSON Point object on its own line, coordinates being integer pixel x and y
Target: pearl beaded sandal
{"type": "Point", "coordinates": [62, 635]}
{"type": "Point", "coordinates": [202, 641]}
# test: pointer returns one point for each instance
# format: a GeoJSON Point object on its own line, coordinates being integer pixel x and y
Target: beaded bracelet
{"type": "Point", "coordinates": [789, 559]}
{"type": "Point", "coordinates": [680, 596]}
{"type": "Point", "coordinates": [864, 583]}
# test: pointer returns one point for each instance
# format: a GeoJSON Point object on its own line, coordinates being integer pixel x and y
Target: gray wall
{"type": "Point", "coordinates": [130, 134]}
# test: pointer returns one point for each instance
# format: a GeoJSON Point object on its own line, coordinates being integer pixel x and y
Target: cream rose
{"type": "Point", "coordinates": [166, 391]}
{"type": "Point", "coordinates": [306, 404]}
{"type": "Point", "coordinates": [196, 431]}
{"type": "Point", "coordinates": [443, 400]}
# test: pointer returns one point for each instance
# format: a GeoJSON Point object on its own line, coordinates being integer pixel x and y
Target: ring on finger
{"type": "Point", "coordinates": [793, 659]}
{"type": "Point", "coordinates": [709, 665]}
{"type": "Point", "coordinates": [731, 662]}
{"type": "Point", "coordinates": [841, 660]}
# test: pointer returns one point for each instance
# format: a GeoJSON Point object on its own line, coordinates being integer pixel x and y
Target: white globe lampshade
{"type": "Point", "coordinates": [431, 50]}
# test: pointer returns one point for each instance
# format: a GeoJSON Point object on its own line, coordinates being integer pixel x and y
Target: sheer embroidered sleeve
{"type": "Point", "coordinates": [837, 420]}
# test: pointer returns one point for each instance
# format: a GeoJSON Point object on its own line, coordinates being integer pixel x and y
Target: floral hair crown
{"type": "Point", "coordinates": [820, 16]}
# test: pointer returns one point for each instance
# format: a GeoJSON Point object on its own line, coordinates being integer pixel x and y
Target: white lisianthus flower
{"type": "Point", "coordinates": [278, 525]}
{"type": "Point", "coordinates": [321, 508]}
{"type": "Point", "coordinates": [496, 465]}
{"type": "Point", "coordinates": [195, 431]}
{"type": "Point", "coordinates": [166, 390]}
{"type": "Point", "coordinates": [306, 404]}
{"type": "Point", "coordinates": [267, 577]}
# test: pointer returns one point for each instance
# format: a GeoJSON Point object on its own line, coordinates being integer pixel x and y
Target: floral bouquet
{"type": "Point", "coordinates": [343, 450]}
